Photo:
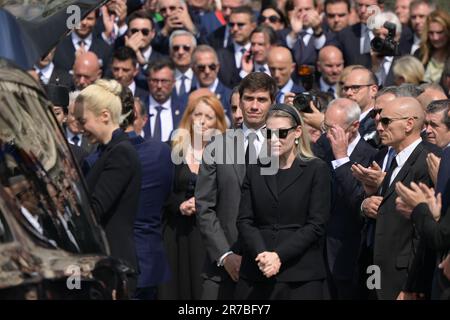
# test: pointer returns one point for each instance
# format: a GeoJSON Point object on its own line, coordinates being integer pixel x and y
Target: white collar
{"type": "Point", "coordinates": [364, 114]}
{"type": "Point", "coordinates": [189, 74]}
{"type": "Point", "coordinates": [352, 145]}
{"type": "Point", "coordinates": [76, 38]}
{"type": "Point", "coordinates": [288, 86]}
{"type": "Point", "coordinates": [166, 105]}
{"type": "Point", "coordinates": [238, 47]}
{"type": "Point", "coordinates": [132, 87]}
{"type": "Point", "coordinates": [147, 53]}
{"type": "Point", "coordinates": [258, 132]}
{"type": "Point", "coordinates": [325, 86]}
{"type": "Point", "coordinates": [403, 155]}
{"type": "Point", "coordinates": [47, 70]}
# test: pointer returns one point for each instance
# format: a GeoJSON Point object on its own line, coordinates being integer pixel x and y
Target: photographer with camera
{"type": "Point", "coordinates": [387, 28]}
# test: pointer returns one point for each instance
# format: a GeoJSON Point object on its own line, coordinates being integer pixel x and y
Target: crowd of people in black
{"type": "Point", "coordinates": [178, 110]}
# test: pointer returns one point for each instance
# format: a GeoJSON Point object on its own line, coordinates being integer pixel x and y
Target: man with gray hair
{"type": "Point", "coordinates": [206, 66]}
{"type": "Point", "coordinates": [182, 44]}
{"type": "Point", "coordinates": [341, 145]}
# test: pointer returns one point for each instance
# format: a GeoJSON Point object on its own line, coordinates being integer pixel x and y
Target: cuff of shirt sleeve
{"type": "Point", "coordinates": [222, 258]}
{"type": "Point", "coordinates": [339, 162]}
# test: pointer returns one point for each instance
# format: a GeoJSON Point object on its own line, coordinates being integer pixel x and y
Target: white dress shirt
{"type": "Point", "coordinates": [385, 66]}
{"type": "Point", "coordinates": [319, 42]}
{"type": "Point", "coordinates": [166, 117]}
{"type": "Point", "coordinates": [256, 68]}
{"type": "Point", "coordinates": [350, 148]}
{"type": "Point", "coordinates": [416, 44]}
{"type": "Point", "coordinates": [286, 88]}
{"type": "Point", "coordinates": [132, 87]}
{"type": "Point", "coordinates": [147, 53]}
{"type": "Point", "coordinates": [46, 72]}
{"type": "Point", "coordinates": [238, 53]}
{"type": "Point", "coordinates": [324, 87]}
{"type": "Point", "coordinates": [363, 33]}
{"type": "Point", "coordinates": [258, 142]}
{"type": "Point", "coordinates": [189, 74]}
{"type": "Point", "coordinates": [403, 156]}
{"type": "Point", "coordinates": [76, 39]}
{"type": "Point", "coordinates": [70, 135]}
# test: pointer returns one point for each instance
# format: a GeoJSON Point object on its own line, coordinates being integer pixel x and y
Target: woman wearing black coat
{"type": "Point", "coordinates": [282, 217]}
{"type": "Point", "coordinates": [114, 181]}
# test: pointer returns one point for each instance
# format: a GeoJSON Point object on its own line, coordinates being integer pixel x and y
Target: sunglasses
{"type": "Point", "coordinates": [202, 67]}
{"type": "Point", "coordinates": [280, 133]}
{"type": "Point", "coordinates": [145, 31]}
{"type": "Point", "coordinates": [272, 19]}
{"type": "Point", "coordinates": [239, 24]}
{"type": "Point", "coordinates": [185, 47]}
{"type": "Point", "coordinates": [385, 121]}
{"type": "Point", "coordinates": [374, 112]}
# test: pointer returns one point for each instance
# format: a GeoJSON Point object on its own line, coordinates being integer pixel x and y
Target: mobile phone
{"type": "Point", "coordinates": [249, 57]}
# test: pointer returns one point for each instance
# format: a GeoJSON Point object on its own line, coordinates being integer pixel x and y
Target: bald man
{"type": "Point", "coordinates": [281, 67]}
{"type": "Point", "coordinates": [330, 64]}
{"type": "Point", "coordinates": [86, 70]}
{"type": "Point", "coordinates": [398, 251]}
{"type": "Point", "coordinates": [432, 92]}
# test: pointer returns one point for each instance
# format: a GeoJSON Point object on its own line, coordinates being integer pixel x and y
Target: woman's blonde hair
{"type": "Point", "coordinates": [102, 94]}
{"type": "Point", "coordinates": [183, 137]}
{"type": "Point", "coordinates": [410, 69]}
{"type": "Point", "coordinates": [426, 49]}
{"type": "Point", "coordinates": [303, 148]}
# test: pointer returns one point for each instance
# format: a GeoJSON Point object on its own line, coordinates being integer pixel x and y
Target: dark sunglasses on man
{"type": "Point", "coordinates": [280, 133]}
{"type": "Point", "coordinates": [272, 19]}
{"type": "Point", "coordinates": [144, 31]}
{"type": "Point", "coordinates": [185, 47]}
{"type": "Point", "coordinates": [385, 121]}
{"type": "Point", "coordinates": [202, 67]}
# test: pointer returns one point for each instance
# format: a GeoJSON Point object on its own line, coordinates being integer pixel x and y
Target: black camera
{"type": "Point", "coordinates": [387, 46]}
{"type": "Point", "coordinates": [302, 101]}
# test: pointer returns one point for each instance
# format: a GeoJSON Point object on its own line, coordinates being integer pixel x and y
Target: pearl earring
{"type": "Point", "coordinates": [296, 141]}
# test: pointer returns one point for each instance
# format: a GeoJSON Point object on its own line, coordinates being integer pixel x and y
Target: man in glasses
{"type": "Point", "coordinates": [242, 23]}
{"type": "Point", "coordinates": [340, 146]}
{"type": "Point", "coordinates": [139, 36]}
{"type": "Point", "coordinates": [361, 87]}
{"type": "Point", "coordinates": [398, 249]}
{"type": "Point", "coordinates": [206, 68]}
{"type": "Point", "coordinates": [165, 110]}
{"type": "Point", "coordinates": [182, 44]}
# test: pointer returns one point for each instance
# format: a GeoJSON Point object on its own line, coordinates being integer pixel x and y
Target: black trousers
{"type": "Point", "coordinates": [272, 290]}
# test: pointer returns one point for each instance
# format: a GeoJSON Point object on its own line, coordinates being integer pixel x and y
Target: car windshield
{"type": "Point", "coordinates": [37, 172]}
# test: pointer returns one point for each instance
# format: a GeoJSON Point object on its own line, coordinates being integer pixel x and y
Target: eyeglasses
{"type": "Point", "coordinates": [202, 67]}
{"type": "Point", "coordinates": [280, 133]}
{"type": "Point", "coordinates": [163, 81]}
{"type": "Point", "coordinates": [240, 25]}
{"type": "Point", "coordinates": [356, 87]}
{"type": "Point", "coordinates": [272, 19]}
{"type": "Point", "coordinates": [374, 112]}
{"type": "Point", "coordinates": [144, 31]}
{"type": "Point", "coordinates": [385, 121]}
{"type": "Point", "coordinates": [185, 47]}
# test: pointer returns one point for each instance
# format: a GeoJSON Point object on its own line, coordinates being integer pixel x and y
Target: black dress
{"type": "Point", "coordinates": [182, 240]}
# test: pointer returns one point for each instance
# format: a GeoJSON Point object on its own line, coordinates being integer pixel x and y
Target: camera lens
{"type": "Point", "coordinates": [301, 102]}
{"type": "Point", "coordinates": [377, 44]}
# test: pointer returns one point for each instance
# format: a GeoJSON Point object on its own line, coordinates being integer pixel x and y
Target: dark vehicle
{"type": "Point", "coordinates": [51, 246]}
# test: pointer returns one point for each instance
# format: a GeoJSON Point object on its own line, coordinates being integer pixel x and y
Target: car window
{"type": "Point", "coordinates": [38, 173]}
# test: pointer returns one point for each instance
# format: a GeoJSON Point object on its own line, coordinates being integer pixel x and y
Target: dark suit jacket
{"type": "Point", "coordinates": [215, 39]}
{"type": "Point", "coordinates": [289, 219]}
{"type": "Point", "coordinates": [157, 172]}
{"type": "Point", "coordinates": [65, 52]}
{"type": "Point", "coordinates": [141, 94]}
{"type": "Point", "coordinates": [61, 77]}
{"type": "Point", "coordinates": [178, 107]}
{"type": "Point", "coordinates": [406, 40]}
{"type": "Point", "coordinates": [398, 250]}
{"type": "Point", "coordinates": [114, 183]}
{"type": "Point", "coordinates": [228, 73]}
{"type": "Point", "coordinates": [348, 40]}
{"type": "Point", "coordinates": [367, 125]}
{"type": "Point", "coordinates": [344, 226]}
{"type": "Point", "coordinates": [217, 195]}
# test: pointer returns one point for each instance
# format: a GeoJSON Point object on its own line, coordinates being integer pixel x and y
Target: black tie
{"type": "Point", "coordinates": [82, 44]}
{"type": "Point", "coordinates": [157, 130]}
{"type": "Point", "coordinates": [75, 140]}
{"type": "Point", "coordinates": [250, 154]}
{"type": "Point", "coordinates": [182, 86]}
{"type": "Point", "coordinates": [387, 179]}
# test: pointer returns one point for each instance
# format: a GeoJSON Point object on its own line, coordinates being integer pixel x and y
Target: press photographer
{"type": "Point", "coordinates": [387, 29]}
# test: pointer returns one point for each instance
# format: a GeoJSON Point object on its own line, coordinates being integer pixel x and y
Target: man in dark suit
{"type": "Point", "coordinates": [398, 250]}
{"type": "Point", "coordinates": [354, 41]}
{"type": "Point", "coordinates": [281, 67]}
{"type": "Point", "coordinates": [164, 110]}
{"type": "Point", "coordinates": [206, 67]}
{"type": "Point", "coordinates": [86, 70]}
{"type": "Point", "coordinates": [49, 74]}
{"type": "Point", "coordinates": [361, 87]}
{"type": "Point", "coordinates": [218, 188]}
{"type": "Point", "coordinates": [242, 23]}
{"type": "Point", "coordinates": [342, 146]}
{"type": "Point", "coordinates": [156, 178]}
{"type": "Point", "coordinates": [124, 69]}
{"type": "Point", "coordinates": [182, 44]}
{"type": "Point", "coordinates": [305, 37]}
{"type": "Point", "coordinates": [330, 64]}
{"type": "Point", "coordinates": [80, 41]}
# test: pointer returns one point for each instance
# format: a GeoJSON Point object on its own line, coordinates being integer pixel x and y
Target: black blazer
{"type": "Point", "coordinates": [398, 250]}
{"type": "Point", "coordinates": [65, 52]}
{"type": "Point", "coordinates": [228, 73]}
{"type": "Point", "coordinates": [215, 39]}
{"type": "Point", "coordinates": [288, 219]}
{"type": "Point", "coordinates": [114, 183]}
{"type": "Point", "coordinates": [349, 42]}
{"type": "Point", "coordinates": [62, 78]}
